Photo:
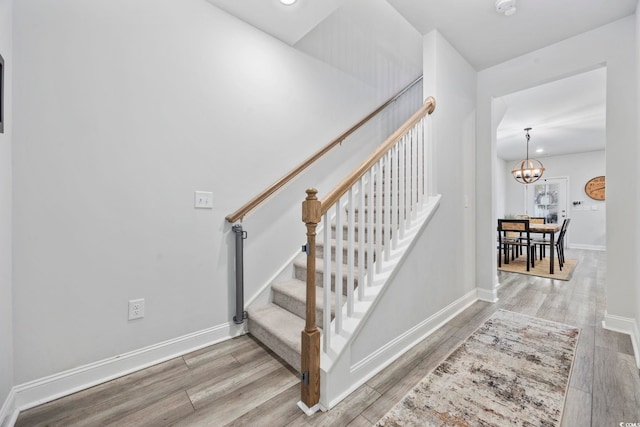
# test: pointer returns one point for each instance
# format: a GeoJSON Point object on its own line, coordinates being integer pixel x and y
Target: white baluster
{"type": "Point", "coordinates": [326, 310]}
{"type": "Point", "coordinates": [410, 144]}
{"type": "Point", "coordinates": [414, 176]}
{"type": "Point", "coordinates": [429, 170]}
{"type": "Point", "coordinates": [361, 244]}
{"type": "Point", "coordinates": [401, 184]}
{"type": "Point", "coordinates": [420, 127]}
{"type": "Point", "coordinates": [368, 220]}
{"type": "Point", "coordinates": [387, 206]}
{"type": "Point", "coordinates": [338, 264]}
{"type": "Point", "coordinates": [350, 253]}
{"type": "Point", "coordinates": [378, 212]}
{"type": "Point", "coordinates": [395, 177]}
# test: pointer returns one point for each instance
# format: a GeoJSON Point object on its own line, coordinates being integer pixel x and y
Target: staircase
{"type": "Point", "coordinates": [357, 237]}
{"type": "Point", "coordinates": [278, 324]}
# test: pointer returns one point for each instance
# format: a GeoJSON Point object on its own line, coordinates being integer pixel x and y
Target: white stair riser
{"type": "Point", "coordinates": [345, 230]}
{"type": "Point", "coordinates": [301, 274]}
{"type": "Point", "coordinates": [361, 215]}
{"type": "Point", "coordinates": [345, 252]}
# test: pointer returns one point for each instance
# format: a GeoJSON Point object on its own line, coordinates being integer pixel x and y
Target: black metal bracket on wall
{"type": "Point", "coordinates": [241, 235]}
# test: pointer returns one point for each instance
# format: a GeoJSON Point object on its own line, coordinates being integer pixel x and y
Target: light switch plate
{"type": "Point", "coordinates": [203, 200]}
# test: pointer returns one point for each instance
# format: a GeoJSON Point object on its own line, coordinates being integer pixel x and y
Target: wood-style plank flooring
{"type": "Point", "coordinates": [241, 383]}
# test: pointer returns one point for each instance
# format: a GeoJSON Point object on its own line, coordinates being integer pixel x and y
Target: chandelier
{"type": "Point", "coordinates": [527, 170]}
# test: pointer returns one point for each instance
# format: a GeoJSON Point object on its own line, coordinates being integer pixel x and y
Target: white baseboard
{"type": "Point", "coordinates": [361, 371]}
{"type": "Point", "coordinates": [37, 392]}
{"type": "Point", "coordinates": [413, 336]}
{"type": "Point", "coordinates": [587, 247]}
{"type": "Point", "coordinates": [625, 325]}
{"type": "Point", "coordinates": [487, 295]}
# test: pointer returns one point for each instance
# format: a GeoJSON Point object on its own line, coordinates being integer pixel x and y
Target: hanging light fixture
{"type": "Point", "coordinates": [528, 170]}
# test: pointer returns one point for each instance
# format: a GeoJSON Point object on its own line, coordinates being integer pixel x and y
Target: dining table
{"type": "Point", "coordinates": [550, 229]}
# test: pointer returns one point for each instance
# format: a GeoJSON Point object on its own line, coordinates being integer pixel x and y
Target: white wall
{"type": "Point", "coordinates": [369, 40]}
{"type": "Point", "coordinates": [125, 109]}
{"type": "Point", "coordinates": [513, 197]}
{"type": "Point", "coordinates": [588, 226]}
{"type": "Point", "coordinates": [612, 45]}
{"type": "Point", "coordinates": [6, 298]}
{"type": "Point", "coordinates": [439, 269]}
{"type": "Point", "coordinates": [504, 204]}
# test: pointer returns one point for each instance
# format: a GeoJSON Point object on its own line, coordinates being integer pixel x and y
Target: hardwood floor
{"type": "Point", "coordinates": [241, 383]}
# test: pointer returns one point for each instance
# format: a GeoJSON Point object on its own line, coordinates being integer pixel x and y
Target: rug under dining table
{"type": "Point", "coordinates": [541, 268]}
{"type": "Point", "coordinates": [513, 371]}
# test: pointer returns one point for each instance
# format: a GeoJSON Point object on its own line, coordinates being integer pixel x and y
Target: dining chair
{"type": "Point", "coordinates": [513, 242]}
{"type": "Point", "coordinates": [519, 216]}
{"type": "Point", "coordinates": [560, 246]}
{"type": "Point", "coordinates": [540, 220]}
{"type": "Point", "coordinates": [559, 242]}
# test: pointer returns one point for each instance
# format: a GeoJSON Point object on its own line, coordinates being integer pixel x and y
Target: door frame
{"type": "Point", "coordinates": [567, 197]}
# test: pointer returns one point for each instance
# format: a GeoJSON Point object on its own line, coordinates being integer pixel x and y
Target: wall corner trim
{"type": "Point", "coordinates": [8, 411]}
{"type": "Point", "coordinates": [487, 295]}
{"type": "Point", "coordinates": [49, 388]}
{"type": "Point", "coordinates": [625, 325]}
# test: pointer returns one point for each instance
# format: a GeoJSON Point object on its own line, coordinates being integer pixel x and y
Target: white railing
{"type": "Point", "coordinates": [394, 190]}
{"type": "Point", "coordinates": [378, 203]}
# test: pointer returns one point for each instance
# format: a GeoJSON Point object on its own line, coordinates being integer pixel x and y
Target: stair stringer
{"type": "Point", "coordinates": [339, 376]}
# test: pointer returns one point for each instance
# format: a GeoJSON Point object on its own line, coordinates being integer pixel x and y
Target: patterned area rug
{"type": "Point", "coordinates": [513, 371]}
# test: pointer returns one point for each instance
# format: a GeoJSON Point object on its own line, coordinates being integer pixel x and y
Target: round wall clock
{"type": "Point", "coordinates": [595, 188]}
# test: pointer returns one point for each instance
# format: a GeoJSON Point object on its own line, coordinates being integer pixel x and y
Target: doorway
{"type": "Point", "coordinates": [547, 198]}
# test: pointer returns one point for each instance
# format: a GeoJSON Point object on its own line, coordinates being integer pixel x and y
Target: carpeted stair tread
{"type": "Point", "coordinates": [291, 295]}
{"type": "Point", "coordinates": [279, 330]}
{"type": "Point", "coordinates": [278, 324]}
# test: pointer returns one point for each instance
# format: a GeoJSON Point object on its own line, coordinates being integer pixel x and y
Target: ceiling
{"type": "Point", "coordinates": [483, 36]}
{"type": "Point", "coordinates": [287, 23]}
{"type": "Point", "coordinates": [566, 116]}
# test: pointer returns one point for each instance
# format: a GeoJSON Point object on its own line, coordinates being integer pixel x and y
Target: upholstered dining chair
{"type": "Point", "coordinates": [510, 242]}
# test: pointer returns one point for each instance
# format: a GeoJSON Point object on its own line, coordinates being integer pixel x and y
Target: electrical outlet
{"type": "Point", "coordinates": [136, 309]}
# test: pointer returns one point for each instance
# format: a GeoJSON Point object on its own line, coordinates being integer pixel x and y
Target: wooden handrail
{"type": "Point", "coordinates": [332, 198]}
{"type": "Point", "coordinates": [257, 200]}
